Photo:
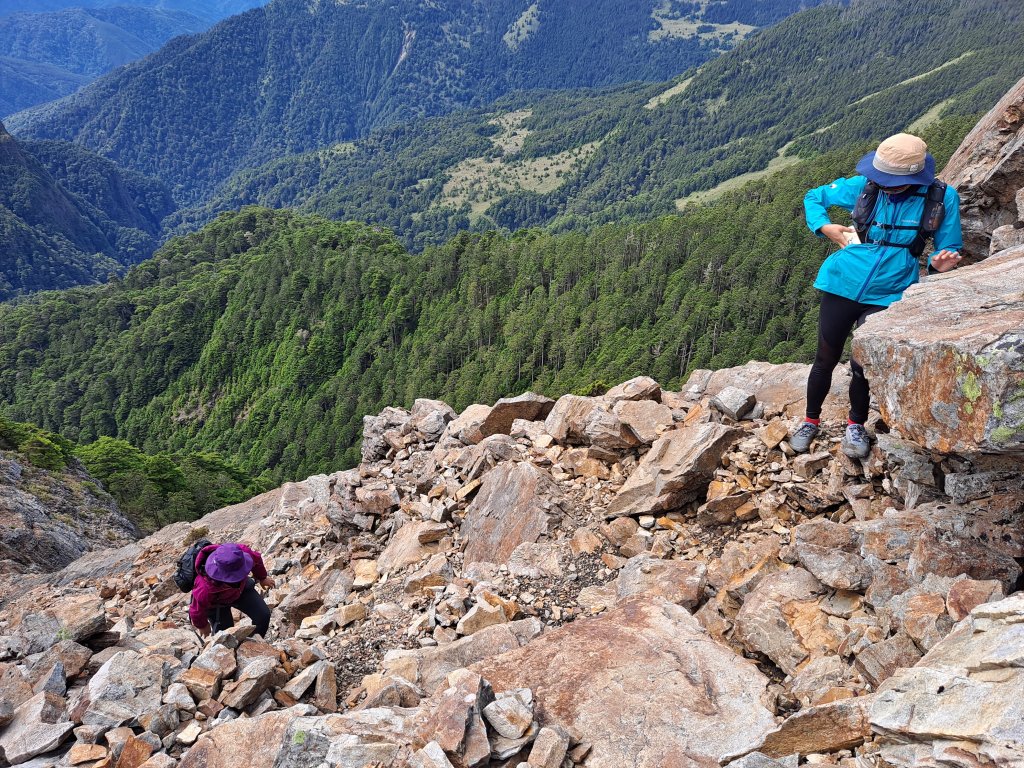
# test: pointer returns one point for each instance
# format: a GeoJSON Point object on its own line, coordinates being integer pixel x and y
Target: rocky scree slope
{"type": "Point", "coordinates": [642, 578]}
{"type": "Point", "coordinates": [49, 519]}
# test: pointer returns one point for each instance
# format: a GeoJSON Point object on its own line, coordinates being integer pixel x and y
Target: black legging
{"type": "Point", "coordinates": [836, 321]}
{"type": "Point", "coordinates": [251, 603]}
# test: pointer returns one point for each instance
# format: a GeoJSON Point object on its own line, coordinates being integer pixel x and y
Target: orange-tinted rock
{"type": "Point", "coordinates": [947, 361]}
{"type": "Point", "coordinates": [646, 661]}
{"type": "Point", "coordinates": [517, 503]}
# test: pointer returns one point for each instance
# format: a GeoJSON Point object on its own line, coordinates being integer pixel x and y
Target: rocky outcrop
{"type": "Point", "coordinates": [946, 363]}
{"type": "Point", "coordinates": [988, 171]}
{"type": "Point", "coordinates": [49, 519]}
{"type": "Point", "coordinates": [961, 706]}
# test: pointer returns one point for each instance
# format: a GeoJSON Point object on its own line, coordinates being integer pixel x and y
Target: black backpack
{"type": "Point", "coordinates": [185, 574]}
{"type": "Point", "coordinates": [931, 217]}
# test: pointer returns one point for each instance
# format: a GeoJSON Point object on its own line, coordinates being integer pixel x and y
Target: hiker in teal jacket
{"type": "Point", "coordinates": [862, 278]}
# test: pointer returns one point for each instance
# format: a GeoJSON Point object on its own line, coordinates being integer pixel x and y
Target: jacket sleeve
{"type": "Point", "coordinates": [259, 570]}
{"type": "Point", "coordinates": [841, 192]}
{"type": "Point", "coordinates": [199, 607]}
{"type": "Point", "coordinates": [950, 236]}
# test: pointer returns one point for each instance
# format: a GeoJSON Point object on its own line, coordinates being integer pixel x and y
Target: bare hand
{"type": "Point", "coordinates": [837, 233]}
{"type": "Point", "coordinates": [943, 261]}
{"type": "Point", "coordinates": [268, 583]}
{"type": "Point", "coordinates": [203, 631]}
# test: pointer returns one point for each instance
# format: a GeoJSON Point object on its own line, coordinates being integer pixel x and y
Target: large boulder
{"type": "Point", "coordinates": [961, 705]}
{"type": "Point", "coordinates": [644, 684]}
{"type": "Point", "coordinates": [988, 171]}
{"type": "Point", "coordinates": [946, 363]}
{"type": "Point", "coordinates": [675, 471]}
{"type": "Point", "coordinates": [516, 503]}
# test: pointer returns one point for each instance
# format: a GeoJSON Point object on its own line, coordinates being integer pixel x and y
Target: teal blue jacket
{"type": "Point", "coordinates": [870, 273]}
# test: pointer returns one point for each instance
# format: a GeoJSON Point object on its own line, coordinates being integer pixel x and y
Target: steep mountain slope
{"type": "Point", "coordinates": [294, 75]}
{"type": "Point", "coordinates": [69, 217]}
{"type": "Point", "coordinates": [267, 335]}
{"type": "Point", "coordinates": [55, 53]}
{"type": "Point", "coordinates": [819, 80]}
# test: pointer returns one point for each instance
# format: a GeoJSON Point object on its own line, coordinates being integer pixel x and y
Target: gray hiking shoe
{"type": "Point", "coordinates": [800, 440]}
{"type": "Point", "coordinates": [856, 443]}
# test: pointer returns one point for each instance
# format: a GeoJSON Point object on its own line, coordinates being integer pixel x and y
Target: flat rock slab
{"type": "Point", "coordinates": [644, 684]}
{"type": "Point", "coordinates": [252, 742]}
{"type": "Point", "coordinates": [967, 689]}
{"type": "Point", "coordinates": [527, 406]}
{"type": "Point", "coordinates": [947, 361]}
{"type": "Point", "coordinates": [429, 667]}
{"type": "Point", "coordinates": [39, 725]}
{"type": "Point", "coordinates": [517, 503]}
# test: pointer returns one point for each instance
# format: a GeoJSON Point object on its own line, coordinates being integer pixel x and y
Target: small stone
{"type": "Point", "coordinates": [733, 402]}
{"type": "Point", "coordinates": [189, 733]}
{"type": "Point", "coordinates": [549, 749]}
{"type": "Point", "coordinates": [511, 713]}
{"type": "Point", "coordinates": [86, 753]}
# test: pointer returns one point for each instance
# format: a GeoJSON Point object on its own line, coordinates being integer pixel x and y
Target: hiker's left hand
{"type": "Point", "coordinates": [943, 261]}
{"type": "Point", "coordinates": [268, 583]}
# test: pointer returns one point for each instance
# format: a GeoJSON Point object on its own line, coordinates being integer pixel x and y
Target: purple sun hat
{"type": "Point", "coordinates": [900, 159]}
{"type": "Point", "coordinates": [229, 562]}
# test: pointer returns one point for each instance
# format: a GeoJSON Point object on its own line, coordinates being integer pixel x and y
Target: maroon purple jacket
{"type": "Point", "coordinates": [207, 594]}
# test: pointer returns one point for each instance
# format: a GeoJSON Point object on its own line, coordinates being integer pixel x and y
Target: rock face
{"type": "Point", "coordinates": [517, 503]}
{"type": "Point", "coordinates": [988, 171]}
{"type": "Point", "coordinates": [961, 706]}
{"type": "Point", "coordinates": [946, 363]}
{"type": "Point", "coordinates": [645, 665]}
{"type": "Point", "coordinates": [48, 519]}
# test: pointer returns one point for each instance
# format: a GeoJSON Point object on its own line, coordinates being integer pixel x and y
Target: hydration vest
{"type": "Point", "coordinates": [931, 217]}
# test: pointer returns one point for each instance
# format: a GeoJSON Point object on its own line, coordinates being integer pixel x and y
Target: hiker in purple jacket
{"type": "Point", "coordinates": [223, 582]}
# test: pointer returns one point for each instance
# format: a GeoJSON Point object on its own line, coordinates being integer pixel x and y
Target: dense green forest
{"type": "Point", "coordinates": [295, 76]}
{"type": "Point", "coordinates": [268, 335]}
{"type": "Point", "coordinates": [70, 217]}
{"type": "Point", "coordinates": [819, 80]}
{"type": "Point", "coordinates": [152, 490]}
{"type": "Point", "coordinates": [56, 53]}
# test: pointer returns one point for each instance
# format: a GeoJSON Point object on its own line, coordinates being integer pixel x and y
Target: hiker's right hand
{"type": "Point", "coordinates": [203, 631]}
{"type": "Point", "coordinates": [836, 233]}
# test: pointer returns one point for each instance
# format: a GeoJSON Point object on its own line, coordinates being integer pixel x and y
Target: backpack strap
{"type": "Point", "coordinates": [931, 217]}
{"type": "Point", "coordinates": [864, 210]}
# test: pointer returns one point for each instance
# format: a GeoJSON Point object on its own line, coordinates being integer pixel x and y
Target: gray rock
{"type": "Point", "coordinates": [528, 406]}
{"type": "Point", "coordinates": [511, 713]}
{"type": "Point", "coordinates": [733, 402]}
{"type": "Point", "coordinates": [126, 686]}
{"type": "Point", "coordinates": [39, 725]}
{"type": "Point", "coordinates": [946, 362]}
{"type": "Point", "coordinates": [966, 690]}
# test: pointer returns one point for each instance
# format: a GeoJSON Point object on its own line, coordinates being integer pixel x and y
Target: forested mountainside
{"type": "Point", "coordinates": [817, 81]}
{"type": "Point", "coordinates": [70, 217]}
{"type": "Point", "coordinates": [209, 10]}
{"type": "Point", "coordinates": [150, 490]}
{"type": "Point", "coordinates": [294, 75]}
{"type": "Point", "coordinates": [44, 56]}
{"type": "Point", "coordinates": [268, 335]}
